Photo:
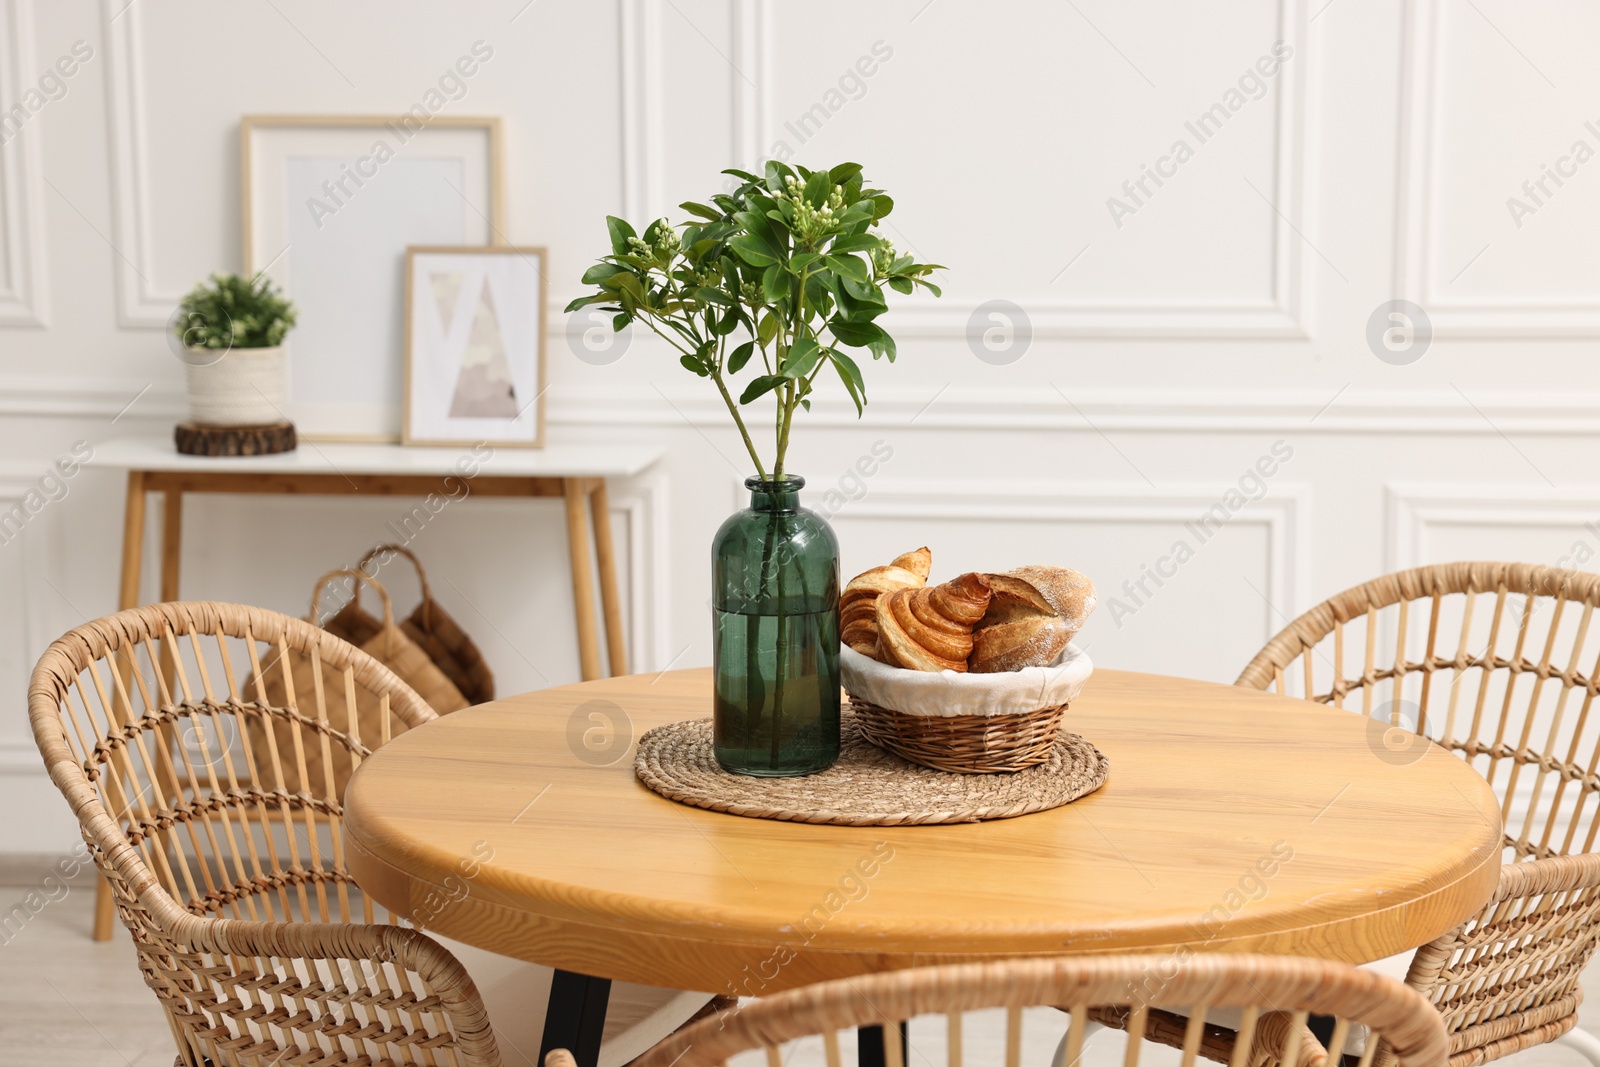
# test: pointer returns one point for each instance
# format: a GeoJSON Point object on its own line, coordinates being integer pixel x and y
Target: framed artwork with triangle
{"type": "Point", "coordinates": [475, 358]}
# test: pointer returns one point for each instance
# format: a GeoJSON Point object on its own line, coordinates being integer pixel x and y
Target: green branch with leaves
{"type": "Point", "coordinates": [786, 266]}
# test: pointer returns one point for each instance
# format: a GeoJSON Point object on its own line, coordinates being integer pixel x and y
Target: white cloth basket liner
{"type": "Point", "coordinates": [951, 693]}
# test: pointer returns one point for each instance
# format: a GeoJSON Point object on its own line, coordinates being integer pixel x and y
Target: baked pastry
{"type": "Point", "coordinates": [930, 629]}
{"type": "Point", "coordinates": [1033, 612]}
{"type": "Point", "coordinates": [858, 626]}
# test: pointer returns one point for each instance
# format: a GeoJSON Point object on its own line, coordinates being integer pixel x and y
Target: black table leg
{"type": "Point", "coordinates": [576, 1017]}
{"type": "Point", "coordinates": [870, 1051]}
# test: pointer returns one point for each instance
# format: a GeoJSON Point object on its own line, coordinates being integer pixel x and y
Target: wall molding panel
{"type": "Point", "coordinates": [1164, 411]}
{"type": "Point", "coordinates": [1285, 315]}
{"type": "Point", "coordinates": [98, 398]}
{"type": "Point", "coordinates": [18, 754]}
{"type": "Point", "coordinates": [139, 304]}
{"type": "Point", "coordinates": [1284, 512]}
{"type": "Point", "coordinates": [642, 504]}
{"type": "Point", "coordinates": [643, 92]}
{"type": "Point", "coordinates": [1413, 509]}
{"type": "Point", "coordinates": [24, 295]}
{"type": "Point", "coordinates": [1417, 168]}
{"type": "Point", "coordinates": [752, 62]}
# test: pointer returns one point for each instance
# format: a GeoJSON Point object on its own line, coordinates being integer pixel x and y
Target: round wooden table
{"type": "Point", "coordinates": [1233, 820]}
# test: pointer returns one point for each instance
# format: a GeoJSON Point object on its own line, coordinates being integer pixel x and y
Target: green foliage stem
{"type": "Point", "coordinates": [787, 265]}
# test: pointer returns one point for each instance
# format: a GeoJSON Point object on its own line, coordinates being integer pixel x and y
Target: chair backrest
{"type": "Point", "coordinates": [1276, 995]}
{"type": "Point", "coordinates": [232, 885]}
{"type": "Point", "coordinates": [1499, 662]}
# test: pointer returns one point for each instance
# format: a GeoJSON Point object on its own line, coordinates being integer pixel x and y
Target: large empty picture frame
{"type": "Point", "coordinates": [475, 367]}
{"type": "Point", "coordinates": [330, 204]}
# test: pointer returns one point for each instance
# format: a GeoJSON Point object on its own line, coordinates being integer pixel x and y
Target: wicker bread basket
{"type": "Point", "coordinates": [966, 723]}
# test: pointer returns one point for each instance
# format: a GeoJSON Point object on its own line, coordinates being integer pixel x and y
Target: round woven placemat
{"type": "Point", "coordinates": [866, 787]}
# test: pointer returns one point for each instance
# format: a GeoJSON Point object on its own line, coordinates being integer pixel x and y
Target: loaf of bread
{"type": "Point", "coordinates": [930, 629]}
{"type": "Point", "coordinates": [858, 604]}
{"type": "Point", "coordinates": [1033, 612]}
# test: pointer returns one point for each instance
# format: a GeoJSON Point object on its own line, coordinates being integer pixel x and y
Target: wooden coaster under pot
{"type": "Point", "coordinates": [195, 439]}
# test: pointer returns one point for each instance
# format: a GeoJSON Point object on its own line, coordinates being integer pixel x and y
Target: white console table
{"type": "Point", "coordinates": [575, 473]}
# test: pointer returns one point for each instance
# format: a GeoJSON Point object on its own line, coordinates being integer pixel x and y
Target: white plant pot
{"type": "Point", "coordinates": [246, 387]}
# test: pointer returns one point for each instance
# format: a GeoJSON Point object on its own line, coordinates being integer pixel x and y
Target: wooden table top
{"type": "Point", "coordinates": [1232, 820]}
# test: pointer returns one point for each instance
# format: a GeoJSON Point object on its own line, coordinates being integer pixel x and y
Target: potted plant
{"type": "Point", "coordinates": [778, 280]}
{"type": "Point", "coordinates": [230, 331]}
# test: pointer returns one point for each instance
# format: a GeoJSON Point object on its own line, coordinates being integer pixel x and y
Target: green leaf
{"type": "Point", "coordinates": [619, 321]}
{"type": "Point", "coordinates": [776, 172]}
{"type": "Point", "coordinates": [856, 242]}
{"type": "Point", "coordinates": [702, 210]}
{"type": "Point", "coordinates": [600, 272]}
{"type": "Point", "coordinates": [850, 374]}
{"type": "Point", "coordinates": [843, 173]}
{"type": "Point", "coordinates": [817, 189]}
{"type": "Point", "coordinates": [862, 290]}
{"type": "Point", "coordinates": [802, 261]}
{"type": "Point", "coordinates": [818, 295]}
{"type": "Point", "coordinates": [585, 301]}
{"type": "Point", "coordinates": [740, 356]}
{"type": "Point", "coordinates": [620, 232]}
{"type": "Point", "coordinates": [882, 204]}
{"type": "Point", "coordinates": [753, 250]}
{"type": "Point", "coordinates": [902, 285]}
{"type": "Point", "coordinates": [883, 346]}
{"type": "Point", "coordinates": [627, 284]}
{"type": "Point", "coordinates": [774, 284]}
{"type": "Point", "coordinates": [805, 403]}
{"type": "Point", "coordinates": [694, 364]}
{"type": "Point", "coordinates": [767, 328]}
{"type": "Point", "coordinates": [746, 175]}
{"type": "Point", "coordinates": [761, 386]}
{"type": "Point", "coordinates": [707, 295]}
{"type": "Point", "coordinates": [849, 267]}
{"type": "Point", "coordinates": [934, 289]}
{"type": "Point", "coordinates": [730, 322]}
{"type": "Point", "coordinates": [802, 359]}
{"type": "Point", "coordinates": [855, 334]}
{"type": "Point", "coordinates": [757, 223]}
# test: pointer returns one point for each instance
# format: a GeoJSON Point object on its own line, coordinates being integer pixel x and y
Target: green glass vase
{"type": "Point", "coordinates": [775, 650]}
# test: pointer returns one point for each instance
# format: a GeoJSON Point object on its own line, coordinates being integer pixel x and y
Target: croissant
{"type": "Point", "coordinates": [858, 626]}
{"type": "Point", "coordinates": [1033, 613]}
{"type": "Point", "coordinates": [931, 629]}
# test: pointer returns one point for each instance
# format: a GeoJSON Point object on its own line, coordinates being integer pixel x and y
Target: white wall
{"type": "Point", "coordinates": [1228, 311]}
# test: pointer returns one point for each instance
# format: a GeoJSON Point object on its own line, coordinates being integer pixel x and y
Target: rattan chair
{"type": "Point", "coordinates": [1276, 994]}
{"type": "Point", "coordinates": [1500, 663]}
{"type": "Point", "coordinates": [247, 926]}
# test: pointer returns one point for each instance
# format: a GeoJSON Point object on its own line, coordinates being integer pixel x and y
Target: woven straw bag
{"type": "Point", "coordinates": [441, 637]}
{"type": "Point", "coordinates": [429, 625]}
{"type": "Point", "coordinates": [389, 645]}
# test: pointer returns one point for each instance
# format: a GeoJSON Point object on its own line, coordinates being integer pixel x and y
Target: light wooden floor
{"type": "Point", "coordinates": [66, 1001]}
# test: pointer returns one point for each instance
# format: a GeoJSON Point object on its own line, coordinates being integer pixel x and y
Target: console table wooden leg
{"type": "Point", "coordinates": [606, 563]}
{"type": "Point", "coordinates": [171, 542]}
{"type": "Point", "coordinates": [582, 580]}
{"type": "Point", "coordinates": [127, 597]}
{"type": "Point", "coordinates": [132, 542]}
